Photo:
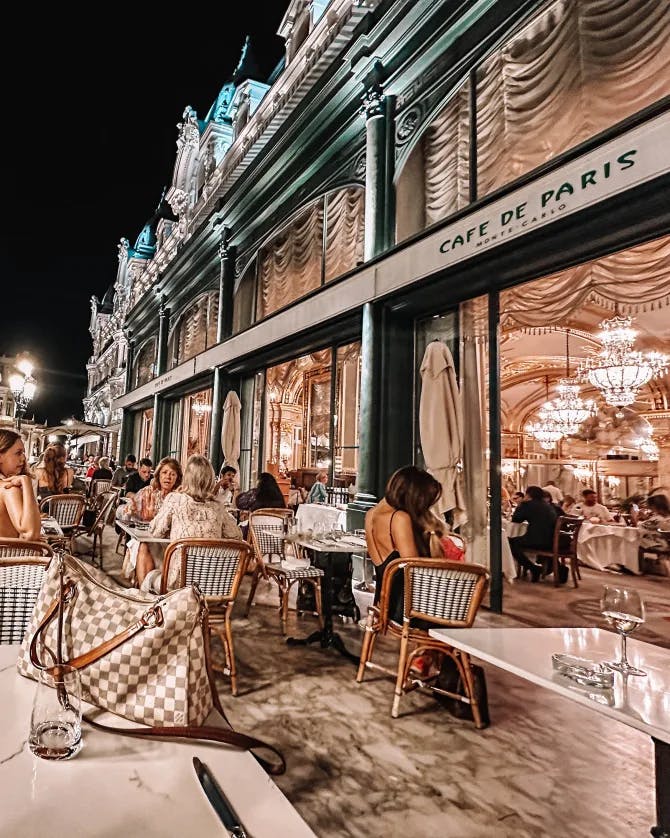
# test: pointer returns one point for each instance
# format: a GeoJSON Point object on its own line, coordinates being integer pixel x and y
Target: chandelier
{"type": "Point", "coordinates": [582, 473]}
{"type": "Point", "coordinates": [648, 447]}
{"type": "Point", "coordinates": [200, 406]}
{"type": "Point", "coordinates": [546, 431]}
{"type": "Point", "coordinates": [618, 371]}
{"type": "Point", "coordinates": [569, 410]}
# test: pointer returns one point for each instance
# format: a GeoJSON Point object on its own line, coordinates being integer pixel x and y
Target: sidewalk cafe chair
{"type": "Point", "coordinates": [564, 547]}
{"type": "Point", "coordinates": [22, 566]}
{"type": "Point", "coordinates": [267, 528]}
{"type": "Point", "coordinates": [217, 567]}
{"type": "Point", "coordinates": [437, 593]}
{"type": "Point", "coordinates": [105, 504]}
{"type": "Point", "coordinates": [67, 510]}
{"type": "Point", "coordinates": [97, 487]}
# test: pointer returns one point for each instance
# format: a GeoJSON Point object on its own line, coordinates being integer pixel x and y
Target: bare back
{"type": "Point", "coordinates": [19, 513]}
{"type": "Point", "coordinates": [388, 529]}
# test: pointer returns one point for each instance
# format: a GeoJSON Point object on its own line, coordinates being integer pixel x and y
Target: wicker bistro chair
{"type": "Point", "coordinates": [217, 567]}
{"type": "Point", "coordinates": [105, 505]}
{"type": "Point", "coordinates": [68, 510]}
{"type": "Point", "coordinates": [97, 487]}
{"type": "Point", "coordinates": [266, 533]}
{"type": "Point", "coordinates": [22, 566]}
{"type": "Point", "coordinates": [564, 547]}
{"type": "Point", "coordinates": [438, 593]}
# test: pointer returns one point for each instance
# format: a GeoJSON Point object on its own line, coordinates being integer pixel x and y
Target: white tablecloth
{"type": "Point", "coordinates": [311, 514]}
{"type": "Point", "coordinates": [512, 529]}
{"type": "Point", "coordinates": [601, 545]}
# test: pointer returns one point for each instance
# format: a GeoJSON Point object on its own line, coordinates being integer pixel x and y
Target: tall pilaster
{"type": "Point", "coordinates": [379, 111]}
{"type": "Point", "coordinates": [163, 332]}
{"type": "Point", "coordinates": [130, 360]}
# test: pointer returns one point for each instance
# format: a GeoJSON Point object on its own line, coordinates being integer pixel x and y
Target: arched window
{"type": "Point", "coordinates": [144, 366]}
{"type": "Point", "coordinates": [324, 241]}
{"type": "Point", "coordinates": [195, 330]}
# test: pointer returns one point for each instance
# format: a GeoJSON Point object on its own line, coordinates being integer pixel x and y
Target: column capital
{"type": "Point", "coordinates": [224, 244]}
{"type": "Point", "coordinates": [373, 101]}
{"type": "Point", "coordinates": [162, 307]}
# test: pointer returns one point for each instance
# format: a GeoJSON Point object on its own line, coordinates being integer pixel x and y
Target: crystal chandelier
{"type": "Point", "coordinates": [648, 447]}
{"type": "Point", "coordinates": [569, 410]}
{"type": "Point", "coordinates": [582, 473]}
{"type": "Point", "coordinates": [200, 406]}
{"type": "Point", "coordinates": [618, 371]}
{"type": "Point", "coordinates": [546, 431]}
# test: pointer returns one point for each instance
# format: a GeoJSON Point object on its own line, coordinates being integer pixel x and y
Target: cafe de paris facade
{"type": "Point", "coordinates": [490, 174]}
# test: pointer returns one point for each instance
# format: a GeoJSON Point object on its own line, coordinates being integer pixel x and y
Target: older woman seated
{"type": "Point", "coordinates": [144, 506]}
{"type": "Point", "coordinates": [195, 511]}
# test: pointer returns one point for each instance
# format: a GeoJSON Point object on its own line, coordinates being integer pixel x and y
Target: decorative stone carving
{"type": "Point", "coordinates": [359, 166]}
{"type": "Point", "coordinates": [189, 133]}
{"type": "Point", "coordinates": [407, 124]}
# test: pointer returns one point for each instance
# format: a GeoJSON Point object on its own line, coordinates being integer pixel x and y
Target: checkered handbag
{"type": "Point", "coordinates": [140, 656]}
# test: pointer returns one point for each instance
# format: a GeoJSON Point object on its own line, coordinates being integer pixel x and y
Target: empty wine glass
{"type": "Point", "coordinates": [623, 608]}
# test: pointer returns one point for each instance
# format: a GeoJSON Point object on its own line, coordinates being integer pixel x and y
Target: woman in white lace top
{"type": "Point", "coordinates": [194, 511]}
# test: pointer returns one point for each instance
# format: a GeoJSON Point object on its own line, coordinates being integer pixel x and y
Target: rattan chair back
{"type": "Point", "coordinates": [267, 528]}
{"type": "Point", "coordinates": [22, 566]}
{"type": "Point", "coordinates": [66, 509]}
{"type": "Point", "coordinates": [216, 566]}
{"type": "Point", "coordinates": [98, 487]}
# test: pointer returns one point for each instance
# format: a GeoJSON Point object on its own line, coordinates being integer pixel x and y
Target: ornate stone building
{"type": "Point", "coordinates": [407, 174]}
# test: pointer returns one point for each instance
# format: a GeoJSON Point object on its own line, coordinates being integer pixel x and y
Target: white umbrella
{"type": "Point", "coordinates": [441, 427]}
{"type": "Point", "coordinates": [230, 430]}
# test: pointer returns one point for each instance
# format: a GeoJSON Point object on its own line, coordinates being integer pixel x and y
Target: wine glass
{"type": "Point", "coordinates": [623, 608]}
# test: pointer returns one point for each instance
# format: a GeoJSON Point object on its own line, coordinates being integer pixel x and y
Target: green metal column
{"type": "Point", "coordinates": [126, 440]}
{"type": "Point", "coordinates": [495, 448]}
{"type": "Point", "coordinates": [158, 440]}
{"type": "Point", "coordinates": [379, 112]}
{"type": "Point", "coordinates": [369, 418]}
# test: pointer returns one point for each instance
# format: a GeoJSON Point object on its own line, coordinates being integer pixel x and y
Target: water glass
{"type": "Point", "coordinates": [624, 609]}
{"type": "Point", "coordinates": [55, 724]}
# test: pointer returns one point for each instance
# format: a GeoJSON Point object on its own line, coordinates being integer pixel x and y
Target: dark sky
{"type": "Point", "coordinates": [88, 142]}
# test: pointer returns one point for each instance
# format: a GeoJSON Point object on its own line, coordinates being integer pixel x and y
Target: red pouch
{"type": "Point", "coordinates": [451, 551]}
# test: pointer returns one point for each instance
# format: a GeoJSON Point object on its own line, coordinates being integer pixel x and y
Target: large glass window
{"type": "Point", "coordinates": [575, 70]}
{"type": "Point", "coordinates": [144, 366]}
{"type": "Point", "coordinates": [323, 242]}
{"type": "Point", "coordinates": [195, 330]}
{"type": "Point", "coordinates": [197, 416]}
{"type": "Point", "coordinates": [347, 400]}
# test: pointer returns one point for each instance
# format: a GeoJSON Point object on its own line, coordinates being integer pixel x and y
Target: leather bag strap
{"type": "Point", "coordinates": [211, 734]}
{"type": "Point", "coordinates": [151, 618]}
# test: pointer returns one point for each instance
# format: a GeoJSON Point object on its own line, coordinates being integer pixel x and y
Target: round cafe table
{"type": "Point", "coordinates": [602, 545]}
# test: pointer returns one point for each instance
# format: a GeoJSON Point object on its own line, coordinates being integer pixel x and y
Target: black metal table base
{"type": "Point", "coordinates": [327, 640]}
{"type": "Point", "coordinates": [326, 637]}
{"type": "Point", "coordinates": [662, 762]}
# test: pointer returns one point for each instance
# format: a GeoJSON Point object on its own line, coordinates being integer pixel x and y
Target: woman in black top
{"type": "Point", "coordinates": [266, 495]}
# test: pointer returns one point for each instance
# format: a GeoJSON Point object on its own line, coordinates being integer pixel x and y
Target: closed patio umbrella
{"type": "Point", "coordinates": [441, 427]}
{"type": "Point", "coordinates": [230, 430]}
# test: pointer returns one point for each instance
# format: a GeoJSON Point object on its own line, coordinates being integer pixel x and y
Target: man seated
{"type": "Point", "coordinates": [541, 519]}
{"type": "Point", "coordinates": [225, 486]}
{"type": "Point", "coordinates": [123, 472]}
{"type": "Point", "coordinates": [590, 508]}
{"type": "Point", "coordinates": [139, 478]}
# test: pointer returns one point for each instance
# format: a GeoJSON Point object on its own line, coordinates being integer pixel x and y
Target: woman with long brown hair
{"type": "Point", "coordinates": [19, 512]}
{"type": "Point", "coordinates": [402, 526]}
{"type": "Point", "coordinates": [53, 476]}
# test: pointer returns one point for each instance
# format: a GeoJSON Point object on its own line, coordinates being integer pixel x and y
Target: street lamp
{"type": "Point", "coordinates": [23, 386]}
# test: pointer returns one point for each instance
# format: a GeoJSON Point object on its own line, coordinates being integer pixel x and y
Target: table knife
{"type": "Point", "coordinates": [219, 801]}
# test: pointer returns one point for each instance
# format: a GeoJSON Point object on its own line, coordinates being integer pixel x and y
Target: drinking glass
{"type": "Point", "coordinates": [55, 723]}
{"type": "Point", "coordinates": [623, 608]}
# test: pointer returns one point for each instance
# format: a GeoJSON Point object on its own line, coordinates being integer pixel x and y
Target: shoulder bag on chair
{"type": "Point", "coordinates": [142, 657]}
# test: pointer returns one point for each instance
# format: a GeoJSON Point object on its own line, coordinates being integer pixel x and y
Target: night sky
{"type": "Point", "coordinates": [89, 142]}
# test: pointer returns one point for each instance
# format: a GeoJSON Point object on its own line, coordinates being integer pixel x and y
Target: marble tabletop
{"type": "Point", "coordinates": [122, 786]}
{"type": "Point", "coordinates": [640, 702]}
{"type": "Point", "coordinates": [139, 533]}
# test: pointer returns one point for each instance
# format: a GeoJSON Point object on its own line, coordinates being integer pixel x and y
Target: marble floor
{"type": "Point", "coordinates": [544, 766]}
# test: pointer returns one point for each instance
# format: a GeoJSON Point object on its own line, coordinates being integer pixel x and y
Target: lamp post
{"type": "Point", "coordinates": [23, 387]}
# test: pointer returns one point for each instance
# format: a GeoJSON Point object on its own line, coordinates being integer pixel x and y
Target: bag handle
{"type": "Point", "coordinates": [151, 618]}
{"type": "Point", "coordinates": [205, 732]}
